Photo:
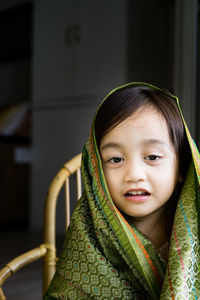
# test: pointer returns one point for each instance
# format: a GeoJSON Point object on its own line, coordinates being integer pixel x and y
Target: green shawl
{"type": "Point", "coordinates": [103, 257]}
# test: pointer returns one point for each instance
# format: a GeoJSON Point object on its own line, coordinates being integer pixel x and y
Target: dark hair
{"type": "Point", "coordinates": [124, 102]}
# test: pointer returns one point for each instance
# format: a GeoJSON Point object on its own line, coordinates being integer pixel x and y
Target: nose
{"type": "Point", "coordinates": [134, 171]}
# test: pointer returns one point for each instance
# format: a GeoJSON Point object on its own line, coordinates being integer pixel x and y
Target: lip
{"type": "Point", "coordinates": [138, 198]}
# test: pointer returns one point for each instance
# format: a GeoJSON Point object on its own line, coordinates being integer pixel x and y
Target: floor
{"type": "Point", "coordinates": [26, 283]}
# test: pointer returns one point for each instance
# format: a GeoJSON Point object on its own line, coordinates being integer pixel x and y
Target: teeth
{"type": "Point", "coordinates": [136, 193]}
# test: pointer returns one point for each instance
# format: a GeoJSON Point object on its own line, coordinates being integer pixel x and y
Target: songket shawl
{"type": "Point", "coordinates": [104, 257]}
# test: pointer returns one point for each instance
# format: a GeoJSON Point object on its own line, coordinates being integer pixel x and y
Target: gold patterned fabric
{"type": "Point", "coordinates": [104, 257]}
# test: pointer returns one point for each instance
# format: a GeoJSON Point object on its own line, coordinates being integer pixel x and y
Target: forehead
{"type": "Point", "coordinates": [145, 125]}
{"type": "Point", "coordinates": [147, 118]}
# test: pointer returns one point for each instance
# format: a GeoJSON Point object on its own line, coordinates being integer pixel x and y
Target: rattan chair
{"type": "Point", "coordinates": [47, 250]}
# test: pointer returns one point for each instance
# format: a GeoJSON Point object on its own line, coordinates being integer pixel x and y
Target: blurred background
{"type": "Point", "coordinates": [58, 59]}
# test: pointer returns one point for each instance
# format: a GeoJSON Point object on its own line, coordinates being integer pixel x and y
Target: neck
{"type": "Point", "coordinates": [153, 227]}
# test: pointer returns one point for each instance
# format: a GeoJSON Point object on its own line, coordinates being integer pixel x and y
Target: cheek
{"type": "Point", "coordinates": [108, 177]}
{"type": "Point", "coordinates": [112, 180]}
{"type": "Point", "coordinates": [168, 178]}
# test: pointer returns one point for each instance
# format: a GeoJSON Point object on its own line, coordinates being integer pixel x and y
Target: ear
{"type": "Point", "coordinates": [180, 178]}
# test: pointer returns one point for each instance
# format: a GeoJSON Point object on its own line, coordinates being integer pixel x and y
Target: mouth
{"type": "Point", "coordinates": [137, 195]}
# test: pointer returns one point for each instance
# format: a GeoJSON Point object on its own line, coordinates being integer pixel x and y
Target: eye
{"type": "Point", "coordinates": [152, 157]}
{"type": "Point", "coordinates": [116, 160]}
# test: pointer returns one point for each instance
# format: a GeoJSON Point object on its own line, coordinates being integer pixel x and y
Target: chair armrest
{"type": "Point", "coordinates": [2, 296]}
{"type": "Point", "coordinates": [21, 261]}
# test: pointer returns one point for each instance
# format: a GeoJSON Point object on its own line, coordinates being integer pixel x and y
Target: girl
{"type": "Point", "coordinates": [135, 231]}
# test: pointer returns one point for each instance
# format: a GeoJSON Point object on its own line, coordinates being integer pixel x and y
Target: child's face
{"type": "Point", "coordinates": [139, 163]}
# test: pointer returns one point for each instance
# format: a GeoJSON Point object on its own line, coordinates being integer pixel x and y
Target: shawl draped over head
{"type": "Point", "coordinates": [103, 257]}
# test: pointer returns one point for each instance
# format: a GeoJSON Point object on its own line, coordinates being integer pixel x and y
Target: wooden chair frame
{"type": "Point", "coordinates": [47, 250]}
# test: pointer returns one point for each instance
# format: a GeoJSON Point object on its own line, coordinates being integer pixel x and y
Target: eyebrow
{"type": "Point", "coordinates": [111, 145]}
{"type": "Point", "coordinates": [145, 142]}
{"type": "Point", "coordinates": [154, 141]}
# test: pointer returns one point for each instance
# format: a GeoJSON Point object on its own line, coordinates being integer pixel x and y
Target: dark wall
{"type": "Point", "coordinates": [150, 38]}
